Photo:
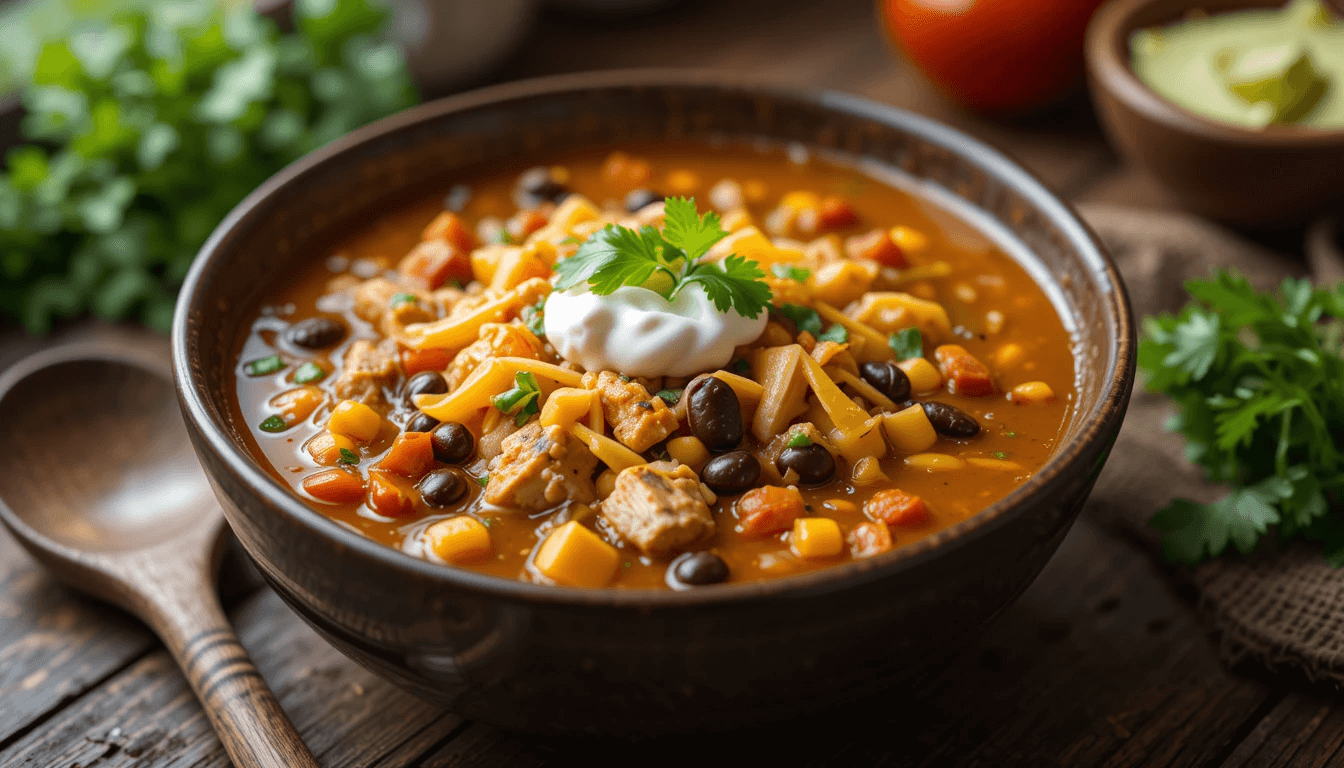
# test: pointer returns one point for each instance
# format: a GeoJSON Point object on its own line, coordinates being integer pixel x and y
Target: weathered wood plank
{"type": "Point", "coordinates": [1304, 730]}
{"type": "Point", "coordinates": [146, 716]}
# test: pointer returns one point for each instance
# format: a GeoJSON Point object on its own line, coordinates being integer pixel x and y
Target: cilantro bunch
{"type": "Point", "coordinates": [1259, 382]}
{"type": "Point", "coordinates": [148, 127]}
{"type": "Point", "coordinates": [666, 261]}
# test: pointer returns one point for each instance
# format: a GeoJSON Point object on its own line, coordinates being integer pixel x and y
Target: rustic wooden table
{"type": "Point", "coordinates": [1101, 662]}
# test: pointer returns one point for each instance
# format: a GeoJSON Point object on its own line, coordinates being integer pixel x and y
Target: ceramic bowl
{"type": "Point", "coordinates": [1252, 178]}
{"type": "Point", "coordinates": [551, 659]}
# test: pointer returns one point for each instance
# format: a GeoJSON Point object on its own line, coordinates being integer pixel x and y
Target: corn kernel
{"type": "Point", "coordinates": [1002, 465]}
{"type": "Point", "coordinates": [689, 451]}
{"type": "Point", "coordinates": [1032, 393]}
{"type": "Point", "coordinates": [910, 240]}
{"type": "Point", "coordinates": [816, 537]}
{"type": "Point", "coordinates": [924, 377]}
{"type": "Point", "coordinates": [934, 462]}
{"type": "Point", "coordinates": [566, 406]}
{"type": "Point", "coordinates": [459, 539]}
{"type": "Point", "coordinates": [800, 200]}
{"type": "Point", "coordinates": [909, 430]}
{"type": "Point", "coordinates": [606, 483]}
{"type": "Point", "coordinates": [326, 448]}
{"type": "Point", "coordinates": [682, 181]}
{"type": "Point", "coordinates": [1009, 355]}
{"type": "Point", "coordinates": [868, 471]}
{"type": "Point", "coordinates": [354, 420]}
{"type": "Point", "coordinates": [575, 556]}
{"type": "Point", "coordinates": [840, 505]}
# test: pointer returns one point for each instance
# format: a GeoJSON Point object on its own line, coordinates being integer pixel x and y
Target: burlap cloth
{"type": "Point", "coordinates": [1282, 606]}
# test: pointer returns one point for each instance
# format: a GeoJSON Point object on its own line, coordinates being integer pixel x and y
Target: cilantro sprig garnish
{"type": "Point", "coordinates": [1258, 380]}
{"type": "Point", "coordinates": [666, 261]}
{"type": "Point", "coordinates": [907, 343]}
{"type": "Point", "coordinates": [521, 401]}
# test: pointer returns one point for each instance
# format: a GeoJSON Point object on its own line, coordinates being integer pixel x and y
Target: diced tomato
{"type": "Point", "coordinates": [411, 455]}
{"type": "Point", "coordinates": [414, 361]}
{"type": "Point", "coordinates": [868, 539]}
{"type": "Point", "coordinates": [896, 507]}
{"type": "Point", "coordinates": [334, 486]}
{"type": "Point", "coordinates": [433, 263]}
{"type": "Point", "coordinates": [524, 223]}
{"type": "Point", "coordinates": [836, 213]}
{"type": "Point", "coordinates": [878, 246]}
{"type": "Point", "coordinates": [386, 498]}
{"type": "Point", "coordinates": [768, 509]}
{"type": "Point", "coordinates": [448, 227]}
{"type": "Point", "coordinates": [965, 374]}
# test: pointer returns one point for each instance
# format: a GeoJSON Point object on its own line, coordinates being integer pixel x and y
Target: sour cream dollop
{"type": "Point", "coordinates": [637, 332]}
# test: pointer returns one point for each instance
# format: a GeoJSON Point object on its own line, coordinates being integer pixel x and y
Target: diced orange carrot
{"type": "Point", "coordinates": [768, 509]}
{"type": "Point", "coordinates": [868, 539]}
{"type": "Point", "coordinates": [411, 455]}
{"type": "Point", "coordinates": [965, 374]}
{"type": "Point", "coordinates": [386, 498]}
{"type": "Point", "coordinates": [448, 226]}
{"type": "Point", "coordinates": [326, 448]}
{"type": "Point", "coordinates": [524, 223]}
{"type": "Point", "coordinates": [334, 486]}
{"type": "Point", "coordinates": [835, 213]}
{"type": "Point", "coordinates": [625, 172]}
{"type": "Point", "coordinates": [896, 507]}
{"type": "Point", "coordinates": [433, 263]}
{"type": "Point", "coordinates": [878, 246]}
{"type": "Point", "coordinates": [415, 361]}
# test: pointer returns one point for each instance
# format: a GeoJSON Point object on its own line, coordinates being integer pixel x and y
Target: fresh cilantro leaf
{"type": "Point", "coordinates": [264, 366]}
{"type": "Point", "coordinates": [348, 456]}
{"type": "Point", "coordinates": [837, 333]}
{"type": "Point", "coordinates": [790, 272]}
{"type": "Point", "coordinates": [535, 318]}
{"type": "Point", "coordinates": [273, 424]}
{"type": "Point", "coordinates": [670, 396]}
{"type": "Point", "coordinates": [483, 480]}
{"type": "Point", "coordinates": [733, 283]}
{"type": "Point", "coordinates": [612, 257]}
{"type": "Point", "coordinates": [804, 318]}
{"type": "Point", "coordinates": [692, 233]}
{"type": "Point", "coordinates": [907, 344]}
{"type": "Point", "coordinates": [799, 440]}
{"type": "Point", "coordinates": [400, 298]}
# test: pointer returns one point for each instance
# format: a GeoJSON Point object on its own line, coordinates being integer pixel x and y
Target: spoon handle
{"type": "Point", "coordinates": [249, 721]}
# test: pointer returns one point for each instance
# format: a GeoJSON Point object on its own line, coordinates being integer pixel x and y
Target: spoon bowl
{"type": "Point", "coordinates": [104, 490]}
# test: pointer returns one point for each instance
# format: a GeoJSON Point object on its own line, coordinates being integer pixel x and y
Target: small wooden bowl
{"type": "Point", "coordinates": [1279, 175]}
{"type": "Point", "coordinates": [544, 658]}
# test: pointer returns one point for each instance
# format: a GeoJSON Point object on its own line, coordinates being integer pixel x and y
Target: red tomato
{"type": "Point", "coordinates": [995, 56]}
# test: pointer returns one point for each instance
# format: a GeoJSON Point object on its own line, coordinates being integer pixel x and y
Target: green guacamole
{"type": "Point", "coordinates": [1250, 68]}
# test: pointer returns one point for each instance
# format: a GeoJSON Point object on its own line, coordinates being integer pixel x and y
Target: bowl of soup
{"type": "Point", "coordinates": [645, 402]}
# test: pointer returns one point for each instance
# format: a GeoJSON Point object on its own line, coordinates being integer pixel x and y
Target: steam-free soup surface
{"type": "Point", "coordinates": [874, 291]}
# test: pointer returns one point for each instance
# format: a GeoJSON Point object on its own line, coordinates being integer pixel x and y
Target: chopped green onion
{"type": "Point", "coordinates": [799, 440]}
{"type": "Point", "coordinates": [907, 343]}
{"type": "Point", "coordinates": [521, 401]}
{"type": "Point", "coordinates": [483, 480]}
{"type": "Point", "coordinates": [264, 366]}
{"type": "Point", "coordinates": [789, 272]}
{"type": "Point", "coordinates": [348, 456]}
{"type": "Point", "coordinates": [670, 396]}
{"type": "Point", "coordinates": [504, 237]}
{"type": "Point", "coordinates": [804, 318]}
{"type": "Point", "coordinates": [274, 424]}
{"type": "Point", "coordinates": [837, 333]}
{"type": "Point", "coordinates": [401, 298]}
{"type": "Point", "coordinates": [624, 378]}
{"type": "Point", "coordinates": [308, 373]}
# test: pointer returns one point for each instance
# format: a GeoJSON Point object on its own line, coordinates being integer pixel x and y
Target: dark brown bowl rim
{"type": "Point", "coordinates": [1108, 61]}
{"type": "Point", "coordinates": [1069, 458]}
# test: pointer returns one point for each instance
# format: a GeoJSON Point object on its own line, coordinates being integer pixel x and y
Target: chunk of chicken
{"type": "Point", "coordinates": [367, 371]}
{"type": "Point", "coordinates": [495, 340]}
{"type": "Point", "coordinates": [540, 468]}
{"type": "Point", "coordinates": [659, 510]}
{"type": "Point", "coordinates": [637, 418]}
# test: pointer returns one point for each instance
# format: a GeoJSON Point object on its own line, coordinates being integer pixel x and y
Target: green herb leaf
{"type": "Point", "coordinates": [348, 456]}
{"type": "Point", "coordinates": [401, 298]}
{"type": "Point", "coordinates": [534, 317]}
{"type": "Point", "coordinates": [799, 440]}
{"type": "Point", "coordinates": [732, 283]}
{"type": "Point", "coordinates": [273, 424]}
{"type": "Point", "coordinates": [837, 333]}
{"type": "Point", "coordinates": [1000, 455]}
{"type": "Point", "coordinates": [264, 366]}
{"type": "Point", "coordinates": [789, 272]}
{"type": "Point", "coordinates": [670, 396]}
{"type": "Point", "coordinates": [684, 228]}
{"type": "Point", "coordinates": [804, 318]}
{"type": "Point", "coordinates": [907, 344]}
{"type": "Point", "coordinates": [483, 480]}
{"type": "Point", "coordinates": [308, 373]}
{"type": "Point", "coordinates": [521, 401]}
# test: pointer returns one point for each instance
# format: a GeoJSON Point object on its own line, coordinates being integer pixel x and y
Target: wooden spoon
{"type": "Point", "coordinates": [102, 486]}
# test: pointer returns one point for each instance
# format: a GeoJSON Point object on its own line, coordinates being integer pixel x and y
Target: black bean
{"type": "Point", "coordinates": [732, 472]}
{"type": "Point", "coordinates": [421, 422]}
{"type": "Point", "coordinates": [697, 569]}
{"type": "Point", "coordinates": [951, 422]}
{"type": "Point", "coordinates": [640, 198]}
{"type": "Point", "coordinates": [442, 487]}
{"type": "Point", "coordinates": [887, 379]}
{"type": "Point", "coordinates": [316, 333]}
{"type": "Point", "coordinates": [426, 383]}
{"type": "Point", "coordinates": [453, 443]}
{"type": "Point", "coordinates": [537, 186]}
{"type": "Point", "coordinates": [813, 463]}
{"type": "Point", "coordinates": [714, 414]}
